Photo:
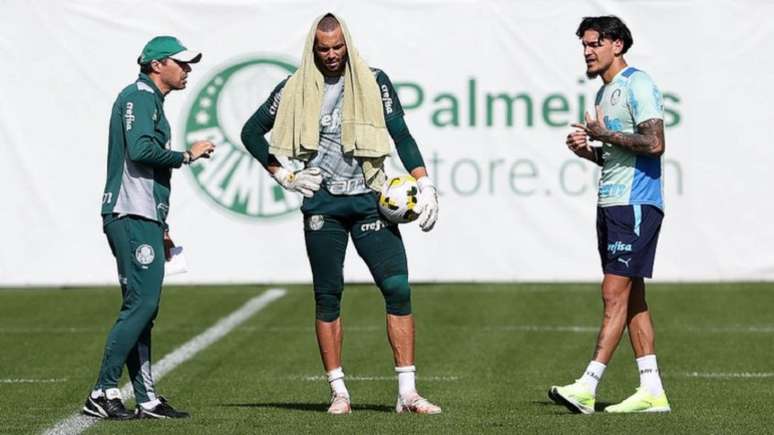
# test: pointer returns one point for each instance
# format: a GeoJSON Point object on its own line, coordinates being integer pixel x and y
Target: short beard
{"type": "Point", "coordinates": [324, 70]}
{"type": "Point", "coordinates": [592, 75]}
{"type": "Point", "coordinates": [321, 67]}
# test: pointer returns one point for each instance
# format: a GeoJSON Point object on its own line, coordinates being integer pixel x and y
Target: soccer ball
{"type": "Point", "coordinates": [398, 201]}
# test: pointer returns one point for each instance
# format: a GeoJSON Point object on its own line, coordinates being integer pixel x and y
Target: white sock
{"type": "Point", "coordinates": [593, 375]}
{"type": "Point", "coordinates": [406, 380]}
{"type": "Point", "coordinates": [113, 393]}
{"type": "Point", "coordinates": [149, 405]}
{"type": "Point", "coordinates": [649, 376]}
{"type": "Point", "coordinates": [96, 394]}
{"type": "Point", "coordinates": [336, 379]}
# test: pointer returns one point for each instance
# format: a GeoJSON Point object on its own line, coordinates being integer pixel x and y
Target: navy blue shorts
{"type": "Point", "coordinates": [627, 236]}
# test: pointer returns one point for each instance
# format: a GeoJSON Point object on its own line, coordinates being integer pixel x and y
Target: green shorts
{"type": "Point", "coordinates": [329, 220]}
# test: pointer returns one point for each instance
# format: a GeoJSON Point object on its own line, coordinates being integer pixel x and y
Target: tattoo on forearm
{"type": "Point", "coordinates": [649, 139]}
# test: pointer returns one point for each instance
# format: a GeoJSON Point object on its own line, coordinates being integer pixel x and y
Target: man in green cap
{"type": "Point", "coordinates": [135, 204]}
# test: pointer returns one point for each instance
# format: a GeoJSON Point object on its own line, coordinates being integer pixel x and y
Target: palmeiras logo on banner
{"type": "Point", "coordinates": [232, 178]}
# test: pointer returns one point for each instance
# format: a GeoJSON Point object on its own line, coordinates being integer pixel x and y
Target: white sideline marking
{"type": "Point", "coordinates": [316, 378]}
{"type": "Point", "coordinates": [371, 328]}
{"type": "Point", "coordinates": [305, 329]}
{"type": "Point", "coordinates": [57, 330]}
{"type": "Point", "coordinates": [764, 329]}
{"type": "Point", "coordinates": [555, 287]}
{"type": "Point", "coordinates": [581, 328]}
{"type": "Point", "coordinates": [542, 328]}
{"type": "Point", "coordinates": [31, 381]}
{"type": "Point", "coordinates": [78, 423]}
{"type": "Point", "coordinates": [748, 375]}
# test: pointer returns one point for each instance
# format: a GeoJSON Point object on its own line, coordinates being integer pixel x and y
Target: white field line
{"type": "Point", "coordinates": [292, 328]}
{"type": "Point", "coordinates": [58, 330]}
{"type": "Point", "coordinates": [32, 381]}
{"type": "Point", "coordinates": [558, 287]}
{"type": "Point", "coordinates": [316, 378]}
{"type": "Point", "coordinates": [497, 289]}
{"type": "Point", "coordinates": [373, 328]}
{"type": "Point", "coordinates": [709, 375]}
{"type": "Point", "coordinates": [739, 375]}
{"type": "Point", "coordinates": [542, 328]}
{"type": "Point", "coordinates": [77, 423]}
{"type": "Point", "coordinates": [730, 329]}
{"type": "Point", "coordinates": [766, 329]}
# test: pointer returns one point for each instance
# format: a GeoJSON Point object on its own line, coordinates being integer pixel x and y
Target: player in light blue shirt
{"type": "Point", "coordinates": [630, 125]}
{"type": "Point", "coordinates": [630, 176]}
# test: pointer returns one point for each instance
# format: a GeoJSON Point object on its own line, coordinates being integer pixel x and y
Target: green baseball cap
{"type": "Point", "coordinates": [167, 46]}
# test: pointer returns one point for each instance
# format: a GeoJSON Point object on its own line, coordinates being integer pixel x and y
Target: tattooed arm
{"type": "Point", "coordinates": [648, 141]}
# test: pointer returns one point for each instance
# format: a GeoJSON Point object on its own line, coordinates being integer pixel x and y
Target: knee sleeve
{"type": "Point", "coordinates": [327, 305]}
{"type": "Point", "coordinates": [397, 295]}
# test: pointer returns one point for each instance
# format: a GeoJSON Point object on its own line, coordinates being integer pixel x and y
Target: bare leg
{"type": "Point", "coordinates": [615, 296]}
{"type": "Point", "coordinates": [641, 332]}
{"type": "Point", "coordinates": [329, 338]}
{"type": "Point", "coordinates": [400, 332]}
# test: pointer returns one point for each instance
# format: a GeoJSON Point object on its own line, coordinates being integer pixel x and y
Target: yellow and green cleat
{"type": "Point", "coordinates": [641, 401]}
{"type": "Point", "coordinates": [577, 397]}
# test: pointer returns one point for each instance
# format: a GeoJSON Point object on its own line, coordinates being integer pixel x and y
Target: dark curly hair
{"type": "Point", "coordinates": [609, 27]}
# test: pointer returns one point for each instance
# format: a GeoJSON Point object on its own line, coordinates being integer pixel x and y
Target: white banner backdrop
{"type": "Point", "coordinates": [489, 88]}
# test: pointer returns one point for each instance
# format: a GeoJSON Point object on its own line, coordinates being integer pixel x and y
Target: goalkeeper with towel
{"type": "Point", "coordinates": [334, 115]}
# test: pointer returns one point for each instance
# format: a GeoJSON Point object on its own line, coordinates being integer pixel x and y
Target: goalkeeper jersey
{"type": "Point", "coordinates": [342, 173]}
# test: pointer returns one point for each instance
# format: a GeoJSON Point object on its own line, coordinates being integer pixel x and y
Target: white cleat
{"type": "Point", "coordinates": [417, 404]}
{"type": "Point", "coordinates": [339, 405]}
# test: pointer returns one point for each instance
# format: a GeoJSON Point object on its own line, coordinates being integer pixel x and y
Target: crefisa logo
{"type": "Point", "coordinates": [232, 178]}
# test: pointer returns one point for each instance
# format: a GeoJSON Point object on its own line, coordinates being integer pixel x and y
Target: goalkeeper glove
{"type": "Point", "coordinates": [306, 181]}
{"type": "Point", "coordinates": [428, 203]}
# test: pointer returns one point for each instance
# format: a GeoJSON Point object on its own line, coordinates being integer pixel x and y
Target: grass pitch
{"type": "Point", "coordinates": [486, 353]}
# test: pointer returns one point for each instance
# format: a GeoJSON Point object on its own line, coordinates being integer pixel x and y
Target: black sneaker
{"type": "Point", "coordinates": [103, 408]}
{"type": "Point", "coordinates": [162, 410]}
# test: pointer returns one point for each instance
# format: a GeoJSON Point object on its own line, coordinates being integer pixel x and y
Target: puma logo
{"type": "Point", "coordinates": [626, 262]}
